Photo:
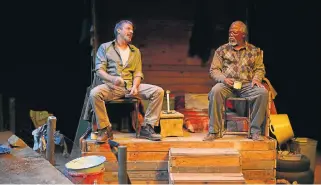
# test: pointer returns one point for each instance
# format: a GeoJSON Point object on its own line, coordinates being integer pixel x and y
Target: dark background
{"type": "Point", "coordinates": [44, 66]}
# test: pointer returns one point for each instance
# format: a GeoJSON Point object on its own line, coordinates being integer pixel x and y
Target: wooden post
{"type": "Point", "coordinates": [12, 115]}
{"type": "Point", "coordinates": [122, 165]}
{"type": "Point", "coordinates": [1, 114]}
{"type": "Point", "coordinates": [50, 149]}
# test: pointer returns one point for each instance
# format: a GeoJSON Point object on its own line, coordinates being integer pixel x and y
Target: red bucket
{"type": "Point", "coordinates": [87, 178]}
{"type": "Point", "coordinates": [86, 170]}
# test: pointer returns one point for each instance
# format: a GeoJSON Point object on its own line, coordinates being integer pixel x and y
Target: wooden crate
{"type": "Point", "coordinates": [204, 160]}
{"type": "Point", "coordinates": [171, 124]}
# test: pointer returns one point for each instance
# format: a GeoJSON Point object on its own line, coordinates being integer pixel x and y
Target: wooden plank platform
{"type": "Point", "coordinates": [147, 161]}
{"type": "Point", "coordinates": [206, 178]}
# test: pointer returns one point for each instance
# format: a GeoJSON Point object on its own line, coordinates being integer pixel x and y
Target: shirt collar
{"type": "Point", "coordinates": [246, 47]}
{"type": "Point", "coordinates": [132, 49]}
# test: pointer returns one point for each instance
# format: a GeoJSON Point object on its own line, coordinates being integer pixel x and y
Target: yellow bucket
{"type": "Point", "coordinates": [281, 127]}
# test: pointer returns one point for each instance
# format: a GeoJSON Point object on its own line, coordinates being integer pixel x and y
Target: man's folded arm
{"type": "Point", "coordinates": [216, 69]}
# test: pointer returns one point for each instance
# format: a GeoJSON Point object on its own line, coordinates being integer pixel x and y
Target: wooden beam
{"type": "Point", "coordinates": [50, 149]}
{"type": "Point", "coordinates": [171, 67]}
{"type": "Point", "coordinates": [122, 167]}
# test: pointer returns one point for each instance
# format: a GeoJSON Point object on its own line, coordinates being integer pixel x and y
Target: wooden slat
{"type": "Point", "coordinates": [134, 156]}
{"type": "Point", "coordinates": [169, 67]}
{"type": "Point", "coordinates": [139, 165]}
{"type": "Point", "coordinates": [178, 80]}
{"type": "Point", "coordinates": [147, 156]}
{"type": "Point", "coordinates": [166, 60]}
{"type": "Point", "coordinates": [148, 175]}
{"type": "Point", "coordinates": [259, 174]}
{"type": "Point", "coordinates": [187, 88]}
{"type": "Point", "coordinates": [268, 144]}
{"type": "Point", "coordinates": [206, 169]}
{"type": "Point", "coordinates": [201, 178]}
{"type": "Point", "coordinates": [163, 45]}
{"type": "Point", "coordinates": [180, 73]}
{"type": "Point", "coordinates": [258, 164]}
{"type": "Point", "coordinates": [199, 152]}
{"type": "Point", "coordinates": [268, 181]}
{"type": "Point", "coordinates": [258, 155]}
{"type": "Point", "coordinates": [138, 175]}
{"type": "Point", "coordinates": [205, 161]}
{"type": "Point", "coordinates": [165, 146]}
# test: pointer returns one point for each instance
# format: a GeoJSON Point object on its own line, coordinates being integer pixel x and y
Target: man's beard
{"type": "Point", "coordinates": [232, 42]}
{"type": "Point", "coordinates": [127, 38]}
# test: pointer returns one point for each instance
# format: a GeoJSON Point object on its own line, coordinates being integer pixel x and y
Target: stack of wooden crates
{"type": "Point", "coordinates": [205, 166]}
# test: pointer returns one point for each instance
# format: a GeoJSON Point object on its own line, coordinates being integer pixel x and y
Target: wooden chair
{"type": "Point", "coordinates": [244, 120]}
{"type": "Point", "coordinates": [134, 114]}
{"type": "Point", "coordinates": [229, 114]}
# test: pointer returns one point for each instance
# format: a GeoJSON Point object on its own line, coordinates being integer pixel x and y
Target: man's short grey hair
{"type": "Point", "coordinates": [120, 24]}
{"type": "Point", "coordinates": [243, 28]}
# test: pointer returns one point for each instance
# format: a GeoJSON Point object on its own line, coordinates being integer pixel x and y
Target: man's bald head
{"type": "Point", "coordinates": [237, 33]}
{"type": "Point", "coordinates": [239, 25]}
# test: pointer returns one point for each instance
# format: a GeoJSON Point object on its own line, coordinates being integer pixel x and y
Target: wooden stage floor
{"type": "Point", "coordinates": [148, 162]}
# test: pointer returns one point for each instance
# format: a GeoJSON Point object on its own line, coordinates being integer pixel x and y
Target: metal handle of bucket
{"type": "Point", "coordinates": [272, 128]}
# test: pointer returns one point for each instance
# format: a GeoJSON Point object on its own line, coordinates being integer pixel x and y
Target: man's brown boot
{"type": "Point", "coordinates": [105, 134]}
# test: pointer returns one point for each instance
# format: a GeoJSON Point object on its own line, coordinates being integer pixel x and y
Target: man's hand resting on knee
{"type": "Point", "coordinates": [257, 83]}
{"type": "Point", "coordinates": [133, 91]}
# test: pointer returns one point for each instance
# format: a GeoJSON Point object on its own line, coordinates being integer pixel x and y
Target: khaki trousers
{"type": "Point", "coordinates": [102, 93]}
